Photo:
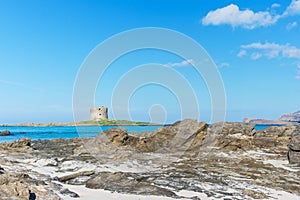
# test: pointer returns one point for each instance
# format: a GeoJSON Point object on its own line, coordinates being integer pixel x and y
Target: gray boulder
{"type": "Point", "coordinates": [4, 133]}
{"type": "Point", "coordinates": [294, 147]}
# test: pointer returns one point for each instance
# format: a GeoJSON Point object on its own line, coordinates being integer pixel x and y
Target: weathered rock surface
{"type": "Point", "coordinates": [22, 186]}
{"type": "Point", "coordinates": [294, 147]}
{"type": "Point", "coordinates": [5, 133]}
{"type": "Point", "coordinates": [224, 160]}
{"type": "Point", "coordinates": [21, 143]}
{"type": "Point", "coordinates": [124, 182]}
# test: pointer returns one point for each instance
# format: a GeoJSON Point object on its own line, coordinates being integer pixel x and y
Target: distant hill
{"type": "Point", "coordinates": [293, 117]}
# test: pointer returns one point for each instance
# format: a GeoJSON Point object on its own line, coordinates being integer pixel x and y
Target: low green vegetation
{"type": "Point", "coordinates": [113, 122]}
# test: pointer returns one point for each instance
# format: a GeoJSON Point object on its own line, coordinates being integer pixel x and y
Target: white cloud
{"type": "Point", "coordinates": [242, 53]}
{"type": "Point", "coordinates": [272, 50]}
{"type": "Point", "coordinates": [180, 64]}
{"type": "Point", "coordinates": [232, 15]}
{"type": "Point", "coordinates": [275, 5]}
{"type": "Point", "coordinates": [224, 64]}
{"type": "Point", "coordinates": [255, 56]}
{"type": "Point", "coordinates": [293, 8]}
{"type": "Point", "coordinates": [291, 25]}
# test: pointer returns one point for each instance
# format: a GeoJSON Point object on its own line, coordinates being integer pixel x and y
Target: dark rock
{"type": "Point", "coordinates": [5, 133]}
{"type": "Point", "coordinates": [69, 193]}
{"type": "Point", "coordinates": [294, 147]}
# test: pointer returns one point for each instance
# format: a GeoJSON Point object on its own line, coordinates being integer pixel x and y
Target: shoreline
{"type": "Point", "coordinates": [116, 164]}
{"type": "Point", "coordinates": [68, 124]}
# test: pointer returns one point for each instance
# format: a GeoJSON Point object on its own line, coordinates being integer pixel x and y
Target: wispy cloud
{"type": "Point", "coordinates": [293, 8]}
{"type": "Point", "coordinates": [298, 73]}
{"type": "Point", "coordinates": [224, 64]}
{"type": "Point", "coordinates": [242, 53]}
{"type": "Point", "coordinates": [255, 56]}
{"type": "Point", "coordinates": [270, 50]}
{"type": "Point", "coordinates": [180, 64]}
{"type": "Point", "coordinates": [291, 25]}
{"type": "Point", "coordinates": [233, 16]}
{"type": "Point", "coordinates": [11, 83]}
{"type": "Point", "coordinates": [247, 18]}
{"type": "Point", "coordinates": [275, 5]}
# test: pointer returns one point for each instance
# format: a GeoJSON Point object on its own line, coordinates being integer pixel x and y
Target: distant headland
{"type": "Point", "coordinates": [286, 119]}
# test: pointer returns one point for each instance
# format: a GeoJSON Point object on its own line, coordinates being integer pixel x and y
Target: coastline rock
{"type": "Point", "coordinates": [242, 163]}
{"type": "Point", "coordinates": [232, 136]}
{"type": "Point", "coordinates": [178, 137]}
{"type": "Point", "coordinates": [294, 147]}
{"type": "Point", "coordinates": [122, 182]}
{"type": "Point", "coordinates": [22, 186]}
{"type": "Point", "coordinates": [21, 143]}
{"type": "Point", "coordinates": [274, 136]}
{"type": "Point", "coordinates": [5, 133]}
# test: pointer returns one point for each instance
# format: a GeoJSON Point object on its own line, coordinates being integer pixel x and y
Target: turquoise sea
{"type": "Point", "coordinates": [67, 132]}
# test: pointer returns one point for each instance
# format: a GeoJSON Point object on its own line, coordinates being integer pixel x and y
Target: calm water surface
{"type": "Point", "coordinates": [68, 132]}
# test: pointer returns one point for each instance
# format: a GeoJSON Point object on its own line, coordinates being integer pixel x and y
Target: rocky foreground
{"type": "Point", "coordinates": [188, 160]}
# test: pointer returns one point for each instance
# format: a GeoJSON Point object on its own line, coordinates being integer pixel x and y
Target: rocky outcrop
{"type": "Point", "coordinates": [222, 161]}
{"type": "Point", "coordinates": [178, 137]}
{"type": "Point", "coordinates": [294, 147]}
{"type": "Point", "coordinates": [5, 133]}
{"type": "Point", "coordinates": [124, 182]}
{"type": "Point", "coordinates": [23, 187]}
{"type": "Point", "coordinates": [21, 143]}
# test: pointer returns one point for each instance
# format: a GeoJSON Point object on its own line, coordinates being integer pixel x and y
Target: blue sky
{"type": "Point", "coordinates": [255, 45]}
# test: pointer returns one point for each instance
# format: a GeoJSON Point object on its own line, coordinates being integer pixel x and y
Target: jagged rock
{"type": "Point", "coordinates": [21, 143]}
{"type": "Point", "coordinates": [294, 147]}
{"type": "Point", "coordinates": [231, 128]}
{"type": "Point", "coordinates": [5, 133]}
{"type": "Point", "coordinates": [274, 136]}
{"type": "Point", "coordinates": [181, 136]}
{"type": "Point", "coordinates": [69, 193]}
{"type": "Point", "coordinates": [231, 136]}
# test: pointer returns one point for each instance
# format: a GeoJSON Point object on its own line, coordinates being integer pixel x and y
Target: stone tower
{"type": "Point", "coordinates": [98, 113]}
